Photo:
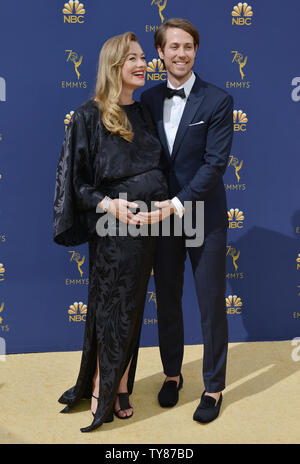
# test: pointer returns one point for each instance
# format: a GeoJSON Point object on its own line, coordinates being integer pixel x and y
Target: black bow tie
{"type": "Point", "coordinates": [169, 93]}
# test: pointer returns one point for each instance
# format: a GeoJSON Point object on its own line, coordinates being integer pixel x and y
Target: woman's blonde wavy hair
{"type": "Point", "coordinates": [109, 84]}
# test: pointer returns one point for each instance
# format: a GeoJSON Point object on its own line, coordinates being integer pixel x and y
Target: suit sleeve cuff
{"type": "Point", "coordinates": [179, 209]}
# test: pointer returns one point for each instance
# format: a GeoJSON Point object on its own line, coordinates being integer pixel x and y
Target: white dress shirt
{"type": "Point", "coordinates": [173, 110]}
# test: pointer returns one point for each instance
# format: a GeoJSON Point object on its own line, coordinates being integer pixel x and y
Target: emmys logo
{"type": "Point", "coordinates": [76, 258]}
{"type": "Point", "coordinates": [4, 328]}
{"type": "Point", "coordinates": [235, 218]}
{"type": "Point", "coordinates": [234, 254]}
{"type": "Point", "coordinates": [2, 89]}
{"type": "Point", "coordinates": [73, 12]}
{"type": "Point", "coordinates": [2, 238]}
{"type": "Point", "coordinates": [77, 312]}
{"type": "Point", "coordinates": [79, 261]}
{"type": "Point", "coordinates": [240, 61]}
{"type": "Point", "coordinates": [74, 58]}
{"type": "Point", "coordinates": [298, 262]}
{"type": "Point", "coordinates": [296, 91]}
{"type": "Point", "coordinates": [156, 70]}
{"type": "Point", "coordinates": [152, 297]}
{"type": "Point", "coordinates": [234, 304]}
{"type": "Point", "coordinates": [236, 164]}
{"type": "Point", "coordinates": [67, 119]}
{"type": "Point", "coordinates": [239, 120]}
{"type": "Point", "coordinates": [2, 271]}
{"type": "Point", "coordinates": [242, 14]}
{"type": "Point", "coordinates": [1, 309]}
{"type": "Point", "coordinates": [161, 5]}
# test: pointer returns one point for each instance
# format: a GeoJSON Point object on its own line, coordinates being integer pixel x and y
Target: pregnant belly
{"type": "Point", "coordinates": [147, 186]}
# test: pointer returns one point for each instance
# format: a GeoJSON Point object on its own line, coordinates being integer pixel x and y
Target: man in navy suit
{"type": "Point", "coordinates": [194, 121]}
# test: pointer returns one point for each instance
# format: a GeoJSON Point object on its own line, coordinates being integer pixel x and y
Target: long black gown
{"type": "Point", "coordinates": [94, 163]}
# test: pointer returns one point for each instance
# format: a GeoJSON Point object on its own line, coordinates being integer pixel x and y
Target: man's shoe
{"type": "Point", "coordinates": [168, 395]}
{"type": "Point", "coordinates": [207, 409]}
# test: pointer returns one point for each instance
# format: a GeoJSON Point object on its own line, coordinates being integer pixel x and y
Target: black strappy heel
{"type": "Point", "coordinates": [109, 418]}
{"type": "Point", "coordinates": [124, 404]}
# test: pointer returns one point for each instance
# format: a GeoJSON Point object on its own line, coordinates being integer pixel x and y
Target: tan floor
{"type": "Point", "coordinates": [261, 403]}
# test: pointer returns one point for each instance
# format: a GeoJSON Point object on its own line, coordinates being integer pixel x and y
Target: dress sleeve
{"type": "Point", "coordinates": [75, 194]}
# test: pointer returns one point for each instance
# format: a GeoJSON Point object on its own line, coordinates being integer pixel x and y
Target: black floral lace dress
{"type": "Point", "coordinates": [94, 163]}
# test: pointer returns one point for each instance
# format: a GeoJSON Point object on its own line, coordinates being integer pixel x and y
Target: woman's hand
{"type": "Point", "coordinates": [120, 209]}
{"type": "Point", "coordinates": [165, 209]}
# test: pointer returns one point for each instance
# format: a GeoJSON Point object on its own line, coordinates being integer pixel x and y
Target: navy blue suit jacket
{"type": "Point", "coordinates": [195, 168]}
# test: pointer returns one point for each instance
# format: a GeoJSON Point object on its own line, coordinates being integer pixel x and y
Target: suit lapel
{"type": "Point", "coordinates": [193, 102]}
{"type": "Point", "coordinates": [160, 121]}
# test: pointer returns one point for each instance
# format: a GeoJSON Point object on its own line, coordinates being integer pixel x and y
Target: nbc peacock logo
{"type": "Point", "coordinates": [67, 119]}
{"type": "Point", "coordinates": [242, 14]}
{"type": "Point", "coordinates": [234, 304]}
{"type": "Point", "coordinates": [235, 218]}
{"type": "Point", "coordinates": [239, 121]}
{"type": "Point", "coordinates": [77, 312]}
{"type": "Point", "coordinates": [298, 262]}
{"type": "Point", "coordinates": [73, 12]}
{"type": "Point", "coordinates": [2, 272]}
{"type": "Point", "coordinates": [156, 70]}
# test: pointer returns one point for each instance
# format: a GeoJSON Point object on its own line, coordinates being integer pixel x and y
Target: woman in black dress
{"type": "Point", "coordinates": [110, 147]}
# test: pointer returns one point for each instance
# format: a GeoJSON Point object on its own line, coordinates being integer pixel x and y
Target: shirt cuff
{"type": "Point", "coordinates": [179, 209]}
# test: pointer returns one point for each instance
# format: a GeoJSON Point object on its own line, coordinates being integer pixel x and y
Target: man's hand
{"type": "Point", "coordinates": [119, 209]}
{"type": "Point", "coordinates": [165, 209]}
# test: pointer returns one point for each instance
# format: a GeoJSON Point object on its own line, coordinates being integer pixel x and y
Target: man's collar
{"type": "Point", "coordinates": [187, 86]}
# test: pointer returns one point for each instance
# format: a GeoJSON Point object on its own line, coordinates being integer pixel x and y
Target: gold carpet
{"type": "Point", "coordinates": [261, 403]}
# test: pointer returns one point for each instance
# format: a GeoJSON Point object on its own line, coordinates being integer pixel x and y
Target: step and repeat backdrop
{"type": "Point", "coordinates": [48, 65]}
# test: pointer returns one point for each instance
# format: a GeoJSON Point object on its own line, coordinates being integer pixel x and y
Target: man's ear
{"type": "Point", "coordinates": [160, 53]}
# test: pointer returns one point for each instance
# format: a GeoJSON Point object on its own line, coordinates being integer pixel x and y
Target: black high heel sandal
{"type": "Point", "coordinates": [124, 404]}
{"type": "Point", "coordinates": [110, 416]}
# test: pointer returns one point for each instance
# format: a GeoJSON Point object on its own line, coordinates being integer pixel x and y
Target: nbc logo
{"type": "Point", "coordinates": [156, 70]}
{"type": "Point", "coordinates": [2, 89]}
{"type": "Point", "coordinates": [67, 119]}
{"type": "Point", "coordinates": [73, 12]}
{"type": "Point", "coordinates": [242, 14]}
{"type": "Point", "coordinates": [2, 270]}
{"type": "Point", "coordinates": [77, 312]}
{"type": "Point", "coordinates": [234, 304]}
{"type": "Point", "coordinates": [239, 120]}
{"type": "Point", "coordinates": [298, 262]}
{"type": "Point", "coordinates": [235, 218]}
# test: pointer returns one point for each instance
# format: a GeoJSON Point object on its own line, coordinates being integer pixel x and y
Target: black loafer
{"type": "Point", "coordinates": [207, 410]}
{"type": "Point", "coordinates": [168, 395]}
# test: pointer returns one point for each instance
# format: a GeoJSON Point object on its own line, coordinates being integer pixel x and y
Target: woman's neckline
{"type": "Point", "coordinates": [122, 106]}
{"type": "Point", "coordinates": [129, 105]}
